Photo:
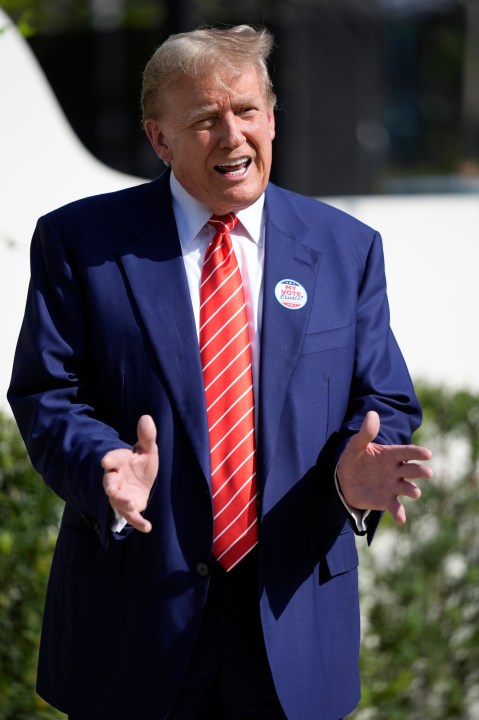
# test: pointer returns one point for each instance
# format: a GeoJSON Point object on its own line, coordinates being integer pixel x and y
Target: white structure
{"type": "Point", "coordinates": [431, 246]}
{"type": "Point", "coordinates": [42, 165]}
{"type": "Point", "coordinates": [431, 242]}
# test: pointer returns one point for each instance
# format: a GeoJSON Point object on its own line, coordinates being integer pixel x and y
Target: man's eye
{"type": "Point", "coordinates": [205, 123]}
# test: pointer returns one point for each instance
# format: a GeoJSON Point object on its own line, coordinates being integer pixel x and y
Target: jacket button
{"type": "Point", "coordinates": [202, 569]}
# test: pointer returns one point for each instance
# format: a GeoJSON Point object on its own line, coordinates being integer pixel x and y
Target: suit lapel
{"type": "Point", "coordinates": [287, 257]}
{"type": "Point", "coordinates": [155, 271]}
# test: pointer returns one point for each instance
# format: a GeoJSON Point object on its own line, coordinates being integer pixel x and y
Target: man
{"type": "Point", "coordinates": [157, 605]}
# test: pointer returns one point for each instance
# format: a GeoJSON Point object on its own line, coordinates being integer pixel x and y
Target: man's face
{"type": "Point", "coordinates": [217, 138]}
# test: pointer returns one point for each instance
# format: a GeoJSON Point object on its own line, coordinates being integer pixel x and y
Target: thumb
{"type": "Point", "coordinates": [368, 430]}
{"type": "Point", "coordinates": [146, 431]}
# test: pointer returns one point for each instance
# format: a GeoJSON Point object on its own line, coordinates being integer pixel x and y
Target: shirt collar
{"type": "Point", "coordinates": [191, 215]}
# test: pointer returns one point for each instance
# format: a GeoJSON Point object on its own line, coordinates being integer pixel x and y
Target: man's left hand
{"type": "Point", "coordinates": [372, 476]}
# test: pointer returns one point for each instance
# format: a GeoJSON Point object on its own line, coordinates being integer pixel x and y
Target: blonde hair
{"type": "Point", "coordinates": [205, 51]}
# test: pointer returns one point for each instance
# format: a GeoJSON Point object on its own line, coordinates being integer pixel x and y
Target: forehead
{"type": "Point", "coordinates": [225, 87]}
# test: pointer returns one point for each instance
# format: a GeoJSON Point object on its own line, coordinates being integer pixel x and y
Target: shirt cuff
{"type": "Point", "coordinates": [119, 523]}
{"type": "Point", "coordinates": [359, 516]}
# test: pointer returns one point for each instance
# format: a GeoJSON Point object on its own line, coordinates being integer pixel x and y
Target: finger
{"type": "Point", "coordinates": [409, 489]}
{"type": "Point", "coordinates": [414, 471]}
{"type": "Point", "coordinates": [113, 459]}
{"type": "Point", "coordinates": [109, 461]}
{"type": "Point", "coordinates": [414, 452]}
{"type": "Point", "coordinates": [112, 481]}
{"type": "Point", "coordinates": [110, 485]}
{"type": "Point", "coordinates": [120, 500]}
{"type": "Point", "coordinates": [136, 520]}
{"type": "Point", "coordinates": [132, 515]}
{"type": "Point", "coordinates": [368, 430]}
{"type": "Point", "coordinates": [146, 430]}
{"type": "Point", "coordinates": [397, 510]}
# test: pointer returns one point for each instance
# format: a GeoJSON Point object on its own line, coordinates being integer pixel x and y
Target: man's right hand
{"type": "Point", "coordinates": [129, 475]}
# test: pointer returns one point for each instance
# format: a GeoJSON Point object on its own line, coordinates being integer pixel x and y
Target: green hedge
{"type": "Point", "coordinates": [29, 514]}
{"type": "Point", "coordinates": [420, 581]}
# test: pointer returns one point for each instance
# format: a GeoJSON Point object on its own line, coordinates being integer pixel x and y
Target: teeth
{"type": "Point", "coordinates": [233, 163]}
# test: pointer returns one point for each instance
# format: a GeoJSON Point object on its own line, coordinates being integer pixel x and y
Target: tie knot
{"type": "Point", "coordinates": [223, 223]}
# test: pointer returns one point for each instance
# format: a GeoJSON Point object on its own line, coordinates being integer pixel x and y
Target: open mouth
{"type": "Point", "coordinates": [234, 168]}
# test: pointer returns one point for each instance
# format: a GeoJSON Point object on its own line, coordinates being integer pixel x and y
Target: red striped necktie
{"type": "Point", "coordinates": [227, 374]}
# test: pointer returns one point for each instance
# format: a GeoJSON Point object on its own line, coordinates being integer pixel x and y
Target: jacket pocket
{"type": "Point", "coordinates": [342, 556]}
{"type": "Point", "coordinates": [329, 339]}
{"type": "Point", "coordinates": [80, 547]}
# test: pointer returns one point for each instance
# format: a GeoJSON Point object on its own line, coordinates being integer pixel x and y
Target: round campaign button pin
{"type": "Point", "coordinates": [291, 294]}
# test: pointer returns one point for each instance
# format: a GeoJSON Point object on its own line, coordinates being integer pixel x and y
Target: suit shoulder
{"type": "Point", "coordinates": [93, 228]}
{"type": "Point", "coordinates": [320, 212]}
{"type": "Point", "coordinates": [105, 205]}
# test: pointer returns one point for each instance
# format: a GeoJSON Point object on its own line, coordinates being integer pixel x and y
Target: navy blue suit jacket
{"type": "Point", "coordinates": [109, 335]}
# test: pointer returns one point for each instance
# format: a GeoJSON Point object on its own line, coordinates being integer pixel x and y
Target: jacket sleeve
{"type": "Point", "coordinates": [50, 393]}
{"type": "Point", "coordinates": [380, 381]}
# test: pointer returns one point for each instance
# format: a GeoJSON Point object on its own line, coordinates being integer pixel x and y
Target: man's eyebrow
{"type": "Point", "coordinates": [200, 111]}
{"type": "Point", "coordinates": [245, 100]}
{"type": "Point", "coordinates": [238, 101]}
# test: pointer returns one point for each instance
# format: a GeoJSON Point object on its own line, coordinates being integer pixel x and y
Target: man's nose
{"type": "Point", "coordinates": [232, 135]}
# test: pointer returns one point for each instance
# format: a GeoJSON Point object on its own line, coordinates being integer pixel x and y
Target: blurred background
{"type": "Point", "coordinates": [375, 96]}
{"type": "Point", "coordinates": [378, 113]}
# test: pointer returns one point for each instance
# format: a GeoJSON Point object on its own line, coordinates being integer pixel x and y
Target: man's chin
{"type": "Point", "coordinates": [237, 197]}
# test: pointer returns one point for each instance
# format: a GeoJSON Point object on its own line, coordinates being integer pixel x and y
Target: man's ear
{"type": "Point", "coordinates": [271, 123]}
{"type": "Point", "coordinates": [157, 138]}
